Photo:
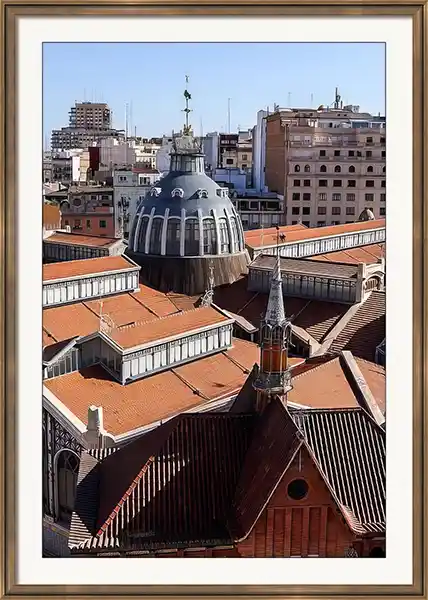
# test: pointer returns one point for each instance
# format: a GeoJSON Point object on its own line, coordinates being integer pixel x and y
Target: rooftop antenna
{"type": "Point", "coordinates": [228, 115]}
{"type": "Point", "coordinates": [187, 110]}
{"type": "Point", "coordinates": [126, 121]}
{"type": "Point", "coordinates": [312, 100]}
{"type": "Point", "coordinates": [130, 117]}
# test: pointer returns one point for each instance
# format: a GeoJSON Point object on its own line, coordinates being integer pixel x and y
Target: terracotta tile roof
{"type": "Point", "coordinates": [324, 386]}
{"type": "Point", "coordinates": [255, 238]}
{"type": "Point", "coordinates": [365, 330]}
{"type": "Point", "coordinates": [122, 309]}
{"type": "Point", "coordinates": [88, 266]}
{"type": "Point", "coordinates": [183, 302]}
{"type": "Point", "coordinates": [317, 317]}
{"type": "Point", "coordinates": [64, 322]}
{"type": "Point", "coordinates": [256, 233]}
{"type": "Point", "coordinates": [207, 477]}
{"type": "Point", "coordinates": [164, 486]}
{"type": "Point", "coordinates": [156, 302]}
{"type": "Point", "coordinates": [77, 239]}
{"type": "Point", "coordinates": [375, 377]}
{"type": "Point", "coordinates": [306, 266]}
{"type": "Point", "coordinates": [51, 216]}
{"type": "Point", "coordinates": [273, 446]}
{"type": "Point", "coordinates": [153, 398]}
{"type": "Point", "coordinates": [130, 336]}
{"type": "Point", "coordinates": [369, 254]}
{"type": "Point", "coordinates": [350, 450]}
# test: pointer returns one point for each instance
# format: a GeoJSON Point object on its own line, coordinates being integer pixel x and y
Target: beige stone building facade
{"type": "Point", "coordinates": [328, 170]}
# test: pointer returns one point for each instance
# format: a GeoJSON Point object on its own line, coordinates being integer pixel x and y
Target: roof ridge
{"type": "Point", "coordinates": [148, 321]}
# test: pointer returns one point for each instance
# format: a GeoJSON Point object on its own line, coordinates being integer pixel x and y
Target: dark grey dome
{"type": "Point", "coordinates": [186, 213]}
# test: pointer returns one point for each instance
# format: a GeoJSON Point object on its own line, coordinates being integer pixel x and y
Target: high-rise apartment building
{"type": "Point", "coordinates": [90, 115]}
{"type": "Point", "coordinates": [88, 123]}
{"type": "Point", "coordinates": [327, 164]}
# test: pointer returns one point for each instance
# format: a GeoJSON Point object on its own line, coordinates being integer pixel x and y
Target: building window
{"type": "Point", "coordinates": [382, 197]}
{"type": "Point", "coordinates": [369, 140]}
{"type": "Point", "coordinates": [103, 224]}
{"type": "Point", "coordinates": [306, 223]}
{"type": "Point", "coordinates": [322, 196]}
{"type": "Point", "coordinates": [173, 237]}
{"type": "Point", "coordinates": [210, 236]}
{"type": "Point", "coordinates": [307, 169]}
{"type": "Point", "coordinates": [88, 223]}
{"type": "Point", "coordinates": [383, 183]}
{"type": "Point", "coordinates": [351, 153]}
{"type": "Point", "coordinates": [323, 169]}
{"type": "Point", "coordinates": [350, 197]}
{"type": "Point", "coordinates": [322, 153]}
{"type": "Point", "coordinates": [229, 161]}
{"type": "Point", "coordinates": [351, 169]}
{"type": "Point", "coordinates": [335, 210]}
{"type": "Point", "coordinates": [369, 183]}
{"type": "Point", "coordinates": [382, 140]}
{"type": "Point", "coordinates": [337, 169]}
{"type": "Point", "coordinates": [66, 222]}
{"type": "Point", "coordinates": [323, 182]}
{"type": "Point", "coordinates": [224, 236]}
{"type": "Point", "coordinates": [307, 196]}
{"type": "Point", "coordinates": [370, 169]}
{"type": "Point", "coordinates": [296, 183]}
{"type": "Point", "coordinates": [296, 195]}
{"type": "Point", "coordinates": [322, 210]}
{"type": "Point", "coordinates": [297, 169]}
{"type": "Point", "coordinates": [351, 182]}
{"type": "Point", "coordinates": [155, 236]}
{"type": "Point", "coordinates": [350, 210]}
{"type": "Point", "coordinates": [383, 154]}
{"type": "Point", "coordinates": [337, 153]}
{"type": "Point", "coordinates": [295, 210]}
{"type": "Point", "coordinates": [337, 197]}
{"type": "Point", "coordinates": [383, 169]}
{"type": "Point", "coordinates": [297, 489]}
{"type": "Point", "coordinates": [67, 469]}
{"type": "Point", "coordinates": [306, 182]}
{"type": "Point", "coordinates": [244, 157]}
{"type": "Point", "coordinates": [191, 238]}
{"type": "Point", "coordinates": [337, 183]}
{"type": "Point", "coordinates": [369, 197]}
{"type": "Point", "coordinates": [382, 211]}
{"type": "Point", "coordinates": [244, 166]}
{"type": "Point", "coordinates": [306, 210]}
{"type": "Point", "coordinates": [368, 154]}
{"type": "Point", "coordinates": [320, 223]}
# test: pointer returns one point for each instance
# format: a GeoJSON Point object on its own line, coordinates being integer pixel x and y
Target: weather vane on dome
{"type": "Point", "coordinates": [187, 128]}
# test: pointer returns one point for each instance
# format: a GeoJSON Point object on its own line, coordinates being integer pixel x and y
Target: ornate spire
{"type": "Point", "coordinates": [187, 129]}
{"type": "Point", "coordinates": [275, 312]}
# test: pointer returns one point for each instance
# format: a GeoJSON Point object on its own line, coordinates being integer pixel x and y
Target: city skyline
{"type": "Point", "coordinates": [156, 109]}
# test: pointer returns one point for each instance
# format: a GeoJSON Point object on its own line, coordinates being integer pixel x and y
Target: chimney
{"type": "Point", "coordinates": [95, 428]}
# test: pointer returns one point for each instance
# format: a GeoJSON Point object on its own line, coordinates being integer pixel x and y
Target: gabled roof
{"type": "Point", "coordinates": [369, 254]}
{"type": "Point", "coordinates": [350, 452]}
{"type": "Point", "coordinates": [204, 479]}
{"type": "Point", "coordinates": [172, 486]}
{"type": "Point", "coordinates": [306, 266]}
{"type": "Point", "coordinates": [80, 239]}
{"type": "Point", "coordinates": [268, 237]}
{"type": "Point", "coordinates": [72, 269]}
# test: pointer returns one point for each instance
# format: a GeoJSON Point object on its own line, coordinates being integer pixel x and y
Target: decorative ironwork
{"type": "Point", "coordinates": [63, 439]}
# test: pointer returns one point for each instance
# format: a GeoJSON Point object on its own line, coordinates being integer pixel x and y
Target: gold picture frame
{"type": "Point", "coordinates": [11, 12]}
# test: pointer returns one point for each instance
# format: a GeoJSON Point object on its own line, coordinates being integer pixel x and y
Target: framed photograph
{"type": "Point", "coordinates": [213, 223]}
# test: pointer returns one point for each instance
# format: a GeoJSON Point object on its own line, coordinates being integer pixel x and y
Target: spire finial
{"type": "Point", "coordinates": [275, 312]}
{"type": "Point", "coordinates": [187, 130]}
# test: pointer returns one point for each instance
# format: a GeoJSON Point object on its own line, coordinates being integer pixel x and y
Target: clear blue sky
{"type": "Point", "coordinates": [253, 75]}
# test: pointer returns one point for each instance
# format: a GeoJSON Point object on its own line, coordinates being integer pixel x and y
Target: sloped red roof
{"type": "Point", "coordinates": [365, 330]}
{"type": "Point", "coordinates": [80, 239]}
{"type": "Point", "coordinates": [88, 266]}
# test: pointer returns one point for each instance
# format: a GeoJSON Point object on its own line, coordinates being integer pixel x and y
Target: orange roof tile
{"type": "Point", "coordinates": [375, 377]}
{"type": "Point", "coordinates": [255, 233]}
{"type": "Point", "coordinates": [88, 266]}
{"type": "Point", "coordinates": [363, 254]}
{"type": "Point", "coordinates": [77, 239]}
{"type": "Point", "coordinates": [149, 331]}
{"type": "Point", "coordinates": [51, 216]}
{"type": "Point", "coordinates": [156, 302]}
{"type": "Point", "coordinates": [64, 322]}
{"type": "Point", "coordinates": [268, 237]}
{"type": "Point", "coordinates": [122, 309]}
{"type": "Point", "coordinates": [324, 386]}
{"type": "Point", "coordinates": [150, 399]}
